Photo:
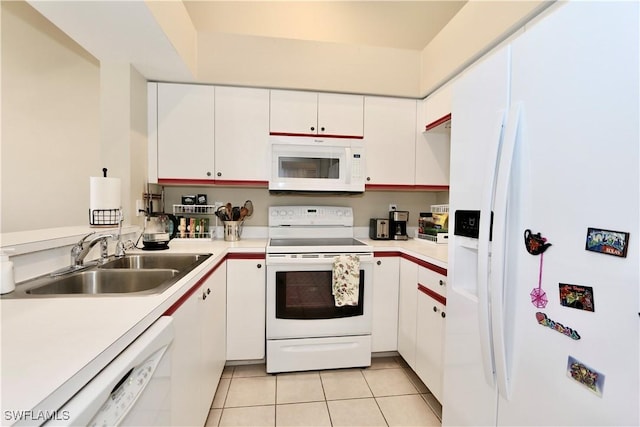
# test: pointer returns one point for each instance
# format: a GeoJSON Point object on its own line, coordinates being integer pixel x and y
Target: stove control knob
{"type": "Point", "coordinates": [282, 213]}
{"type": "Point", "coordinates": [290, 213]}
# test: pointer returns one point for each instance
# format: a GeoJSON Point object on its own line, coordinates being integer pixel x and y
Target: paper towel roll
{"type": "Point", "coordinates": [104, 193]}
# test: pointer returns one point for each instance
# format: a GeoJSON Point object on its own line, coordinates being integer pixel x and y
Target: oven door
{"type": "Point", "coordinates": [300, 303]}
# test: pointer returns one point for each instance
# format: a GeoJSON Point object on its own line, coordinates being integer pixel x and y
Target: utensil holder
{"type": "Point", "coordinates": [232, 230]}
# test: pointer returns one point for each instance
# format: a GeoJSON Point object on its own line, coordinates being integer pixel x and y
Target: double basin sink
{"type": "Point", "coordinates": [134, 274]}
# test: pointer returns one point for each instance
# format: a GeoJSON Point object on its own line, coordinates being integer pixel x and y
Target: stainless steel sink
{"type": "Point", "coordinates": [106, 282]}
{"type": "Point", "coordinates": [152, 261]}
{"type": "Point", "coordinates": [134, 274]}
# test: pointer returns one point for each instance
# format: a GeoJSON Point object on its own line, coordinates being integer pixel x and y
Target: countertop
{"type": "Point", "coordinates": [51, 347]}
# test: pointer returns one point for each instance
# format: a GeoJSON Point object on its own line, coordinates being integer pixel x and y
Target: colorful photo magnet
{"type": "Point", "coordinates": [586, 376]}
{"type": "Point", "coordinates": [576, 296]}
{"type": "Point", "coordinates": [607, 242]}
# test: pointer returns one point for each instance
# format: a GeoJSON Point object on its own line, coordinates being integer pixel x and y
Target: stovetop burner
{"type": "Point", "coordinates": [313, 230]}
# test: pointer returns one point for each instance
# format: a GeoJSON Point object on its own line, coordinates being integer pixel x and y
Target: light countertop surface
{"type": "Point", "coordinates": [51, 347]}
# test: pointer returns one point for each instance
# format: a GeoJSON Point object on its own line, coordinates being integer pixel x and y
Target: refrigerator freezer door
{"type": "Point", "coordinates": [480, 100]}
{"type": "Point", "coordinates": [576, 74]}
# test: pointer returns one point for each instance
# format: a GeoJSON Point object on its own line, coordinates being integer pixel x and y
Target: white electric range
{"type": "Point", "coordinates": [306, 330]}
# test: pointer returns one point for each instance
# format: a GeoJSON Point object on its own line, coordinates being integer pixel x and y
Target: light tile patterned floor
{"type": "Point", "coordinates": [386, 394]}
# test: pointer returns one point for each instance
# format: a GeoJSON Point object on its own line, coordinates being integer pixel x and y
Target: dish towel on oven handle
{"type": "Point", "coordinates": [346, 280]}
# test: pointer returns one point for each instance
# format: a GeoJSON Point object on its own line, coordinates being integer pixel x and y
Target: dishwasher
{"type": "Point", "coordinates": [134, 389]}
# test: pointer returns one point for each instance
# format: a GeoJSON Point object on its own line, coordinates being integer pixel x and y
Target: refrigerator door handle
{"type": "Point", "coordinates": [484, 234]}
{"type": "Point", "coordinates": [498, 256]}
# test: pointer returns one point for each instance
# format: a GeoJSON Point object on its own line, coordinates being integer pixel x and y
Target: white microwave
{"type": "Point", "coordinates": [316, 164]}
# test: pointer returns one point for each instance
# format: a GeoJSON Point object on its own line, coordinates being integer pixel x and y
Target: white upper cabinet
{"type": "Point", "coordinates": [185, 131]}
{"type": "Point", "coordinates": [432, 148]}
{"type": "Point", "coordinates": [241, 134]}
{"type": "Point", "coordinates": [389, 127]}
{"type": "Point", "coordinates": [310, 113]}
{"type": "Point", "coordinates": [439, 108]}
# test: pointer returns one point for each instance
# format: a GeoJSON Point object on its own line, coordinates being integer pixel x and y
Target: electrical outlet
{"type": "Point", "coordinates": [393, 207]}
{"type": "Point", "coordinates": [217, 204]}
{"type": "Point", "coordinates": [139, 208]}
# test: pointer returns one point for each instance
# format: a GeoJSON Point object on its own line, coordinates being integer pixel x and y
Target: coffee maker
{"type": "Point", "coordinates": [398, 225]}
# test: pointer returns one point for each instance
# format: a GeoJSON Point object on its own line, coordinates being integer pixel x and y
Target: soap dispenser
{"type": "Point", "coordinates": [7, 280]}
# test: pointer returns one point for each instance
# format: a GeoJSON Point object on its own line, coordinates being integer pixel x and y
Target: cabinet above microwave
{"type": "Point", "coordinates": [299, 113]}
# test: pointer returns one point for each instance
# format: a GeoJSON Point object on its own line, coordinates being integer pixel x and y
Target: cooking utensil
{"type": "Point", "coordinates": [243, 213]}
{"type": "Point", "coordinates": [229, 211]}
{"type": "Point", "coordinates": [235, 213]}
{"type": "Point", "coordinates": [248, 205]}
{"type": "Point", "coordinates": [222, 213]}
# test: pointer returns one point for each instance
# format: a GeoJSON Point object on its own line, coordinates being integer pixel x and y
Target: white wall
{"type": "Point", "coordinates": [65, 116]}
{"type": "Point", "coordinates": [50, 123]}
{"type": "Point", "coordinates": [246, 60]}
{"type": "Point", "coordinates": [124, 131]}
{"type": "Point", "coordinates": [371, 204]}
{"type": "Point", "coordinates": [478, 26]}
{"type": "Point", "coordinates": [298, 64]}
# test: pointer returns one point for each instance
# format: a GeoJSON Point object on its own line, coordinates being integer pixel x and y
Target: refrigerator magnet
{"type": "Point", "coordinates": [607, 242]}
{"type": "Point", "coordinates": [537, 245]}
{"type": "Point", "coordinates": [585, 375]}
{"type": "Point", "coordinates": [558, 327]}
{"type": "Point", "coordinates": [576, 296]}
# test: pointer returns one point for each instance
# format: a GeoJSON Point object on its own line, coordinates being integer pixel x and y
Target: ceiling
{"type": "Point", "coordinates": [391, 24]}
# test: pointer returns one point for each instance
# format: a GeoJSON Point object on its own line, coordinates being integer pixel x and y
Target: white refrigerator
{"type": "Point", "coordinates": [545, 150]}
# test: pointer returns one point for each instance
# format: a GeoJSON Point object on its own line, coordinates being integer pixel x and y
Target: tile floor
{"type": "Point", "coordinates": [386, 394]}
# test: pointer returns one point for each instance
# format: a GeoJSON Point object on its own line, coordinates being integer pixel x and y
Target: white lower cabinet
{"type": "Point", "coordinates": [246, 280]}
{"type": "Point", "coordinates": [384, 329]}
{"type": "Point", "coordinates": [407, 307]}
{"type": "Point", "coordinates": [421, 318]}
{"type": "Point", "coordinates": [430, 342]}
{"type": "Point", "coordinates": [198, 354]}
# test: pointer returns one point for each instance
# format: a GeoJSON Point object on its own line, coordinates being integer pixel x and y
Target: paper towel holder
{"type": "Point", "coordinates": [104, 217]}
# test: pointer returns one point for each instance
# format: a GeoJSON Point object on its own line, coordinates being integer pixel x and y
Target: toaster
{"type": "Point", "coordinates": [379, 228]}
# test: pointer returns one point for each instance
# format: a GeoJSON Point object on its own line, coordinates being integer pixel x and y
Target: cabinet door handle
{"type": "Point", "coordinates": [208, 291]}
{"type": "Point", "coordinates": [379, 262]}
{"type": "Point", "coordinates": [259, 266]}
{"type": "Point", "coordinates": [208, 173]}
{"type": "Point", "coordinates": [219, 174]}
{"type": "Point", "coordinates": [443, 314]}
{"type": "Point", "coordinates": [312, 128]}
{"type": "Point", "coordinates": [368, 178]}
{"type": "Point", "coordinates": [442, 283]}
{"type": "Point", "coordinates": [322, 129]}
{"type": "Point", "coordinates": [435, 309]}
{"type": "Point", "coordinates": [204, 295]}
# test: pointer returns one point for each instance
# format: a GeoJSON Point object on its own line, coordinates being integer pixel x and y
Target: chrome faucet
{"type": "Point", "coordinates": [82, 248]}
